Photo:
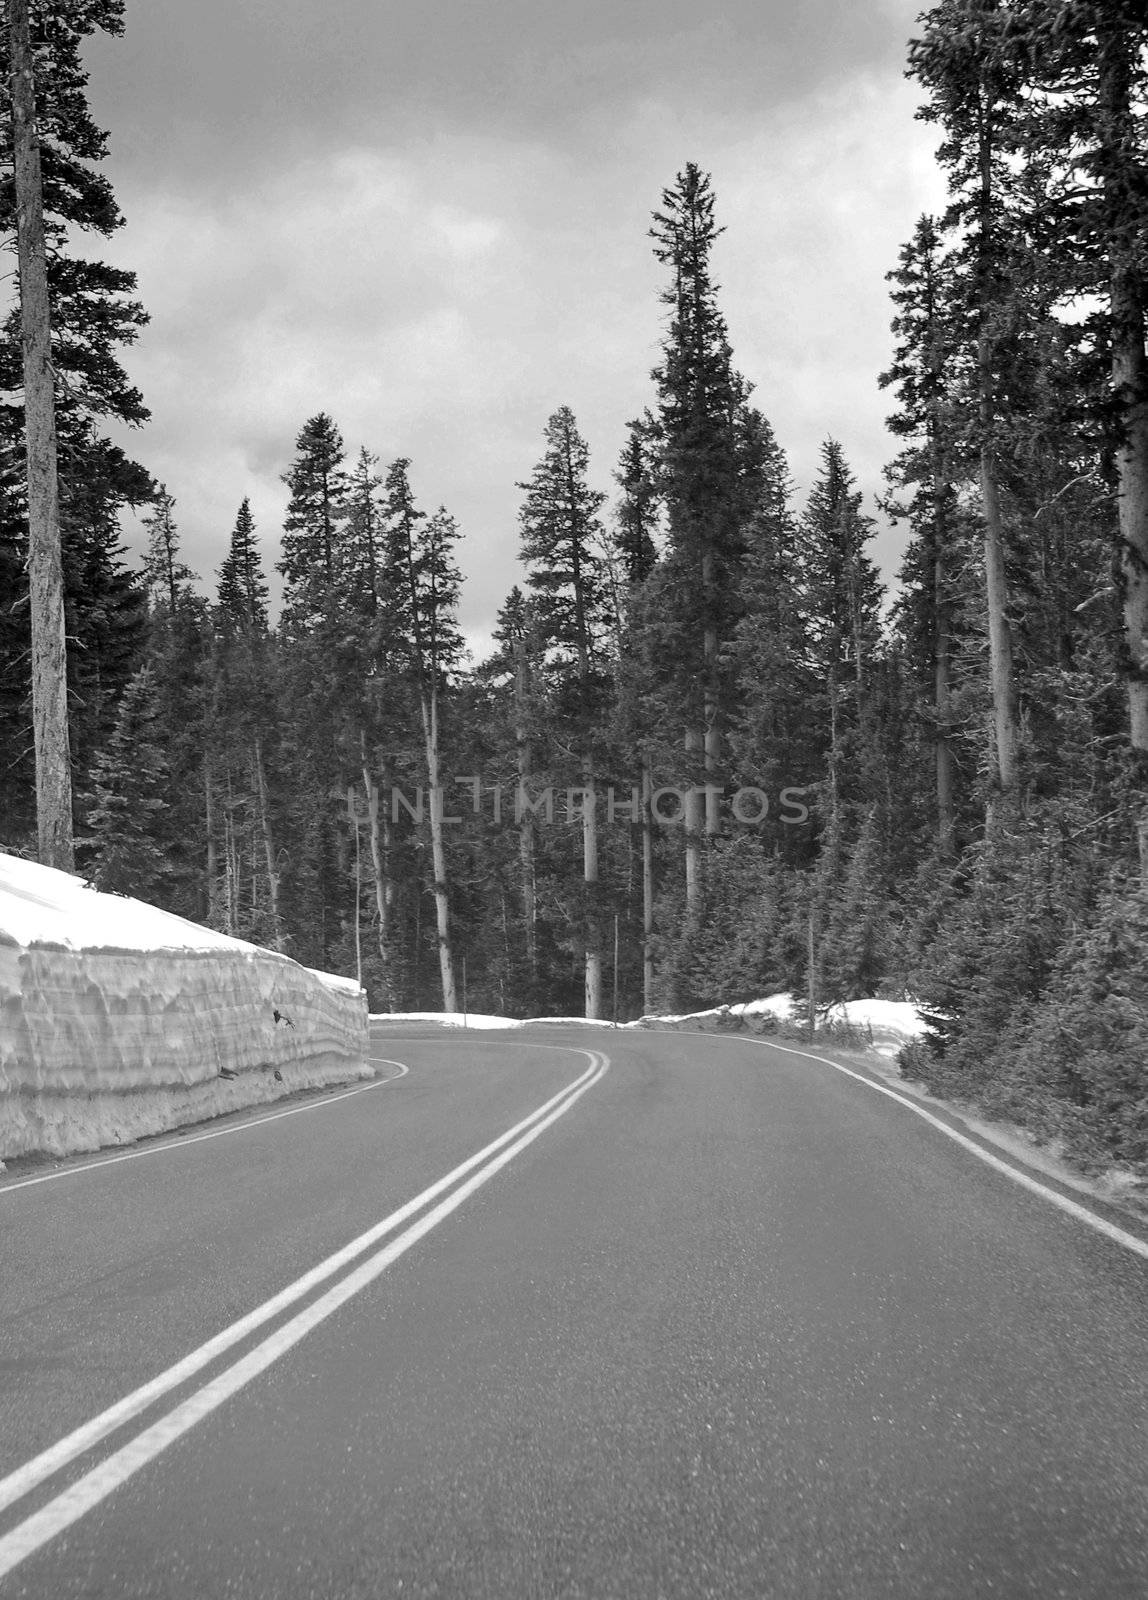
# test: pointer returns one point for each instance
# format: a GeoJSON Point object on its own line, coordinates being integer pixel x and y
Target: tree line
{"type": "Point", "coordinates": [965, 759]}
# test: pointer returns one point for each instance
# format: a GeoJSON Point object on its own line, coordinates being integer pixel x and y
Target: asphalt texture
{"type": "Point", "coordinates": [732, 1326]}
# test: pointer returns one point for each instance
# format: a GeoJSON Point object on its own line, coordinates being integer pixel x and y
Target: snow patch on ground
{"type": "Point", "coordinates": [776, 1005]}
{"type": "Point", "coordinates": [479, 1019]}
{"type": "Point", "coordinates": [891, 1023]}
{"type": "Point", "coordinates": [117, 1020]}
{"type": "Point", "coordinates": [887, 1024]}
{"type": "Point", "coordinates": [448, 1019]}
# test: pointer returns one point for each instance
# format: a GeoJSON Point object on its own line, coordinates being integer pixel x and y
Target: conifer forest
{"type": "Point", "coordinates": [711, 747]}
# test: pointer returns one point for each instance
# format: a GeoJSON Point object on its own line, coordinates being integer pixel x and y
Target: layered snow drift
{"type": "Point", "coordinates": [117, 1019]}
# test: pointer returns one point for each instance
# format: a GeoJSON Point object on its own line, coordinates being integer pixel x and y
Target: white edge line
{"type": "Point", "coordinates": [180, 1143]}
{"type": "Point", "coordinates": [67, 1507]}
{"type": "Point", "coordinates": [34, 1472]}
{"type": "Point", "coordinates": [1130, 1241]}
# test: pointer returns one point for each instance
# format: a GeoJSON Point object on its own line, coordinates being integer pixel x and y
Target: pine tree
{"type": "Point", "coordinates": [562, 546]}
{"type": "Point", "coordinates": [854, 943]}
{"type": "Point", "coordinates": [74, 312]}
{"type": "Point", "coordinates": [637, 513]}
{"type": "Point", "coordinates": [773, 744]}
{"type": "Point", "coordinates": [245, 869]}
{"type": "Point", "coordinates": [975, 95]}
{"type": "Point", "coordinates": [166, 576]}
{"type": "Point", "coordinates": [1085, 78]}
{"type": "Point", "coordinates": [93, 313]}
{"type": "Point", "coordinates": [1076, 1074]}
{"type": "Point", "coordinates": [364, 555]}
{"type": "Point", "coordinates": [45, 566]}
{"type": "Point", "coordinates": [242, 593]}
{"type": "Point", "coordinates": [421, 556]}
{"type": "Point", "coordinates": [840, 599]}
{"type": "Point", "coordinates": [699, 395]}
{"type": "Point", "coordinates": [313, 559]}
{"type": "Point", "coordinates": [518, 662]}
{"type": "Point", "coordinates": [105, 599]}
{"type": "Point", "coordinates": [130, 781]}
{"type": "Point", "coordinates": [922, 371]}
{"type": "Point", "coordinates": [178, 652]}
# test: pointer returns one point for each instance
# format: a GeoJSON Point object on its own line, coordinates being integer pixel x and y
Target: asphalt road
{"type": "Point", "coordinates": [720, 1322]}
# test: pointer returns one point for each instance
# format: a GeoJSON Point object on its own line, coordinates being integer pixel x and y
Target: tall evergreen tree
{"type": "Point", "coordinates": [699, 395]}
{"type": "Point", "coordinates": [923, 371]}
{"type": "Point", "coordinates": [365, 555]}
{"type": "Point", "coordinates": [45, 563]}
{"type": "Point", "coordinates": [562, 546]}
{"type": "Point", "coordinates": [518, 660]}
{"type": "Point", "coordinates": [245, 865]}
{"type": "Point", "coordinates": [130, 782]}
{"type": "Point", "coordinates": [841, 599]}
{"type": "Point", "coordinates": [1085, 77]}
{"type": "Point", "coordinates": [166, 575]}
{"type": "Point", "coordinates": [312, 563]}
{"type": "Point", "coordinates": [637, 513]}
{"type": "Point", "coordinates": [975, 96]}
{"type": "Point", "coordinates": [92, 314]}
{"type": "Point", "coordinates": [773, 744]}
{"type": "Point", "coordinates": [422, 555]}
{"type": "Point", "coordinates": [242, 593]}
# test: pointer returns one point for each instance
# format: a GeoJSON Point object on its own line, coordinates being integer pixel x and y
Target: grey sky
{"type": "Point", "coordinates": [429, 219]}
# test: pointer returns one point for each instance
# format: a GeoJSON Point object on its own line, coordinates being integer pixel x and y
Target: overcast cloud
{"type": "Point", "coordinates": [429, 219]}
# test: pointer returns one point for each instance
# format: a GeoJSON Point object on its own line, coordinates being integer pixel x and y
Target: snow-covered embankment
{"type": "Point", "coordinates": [117, 1019]}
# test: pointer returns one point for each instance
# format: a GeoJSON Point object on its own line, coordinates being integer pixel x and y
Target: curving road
{"type": "Point", "coordinates": [622, 1316]}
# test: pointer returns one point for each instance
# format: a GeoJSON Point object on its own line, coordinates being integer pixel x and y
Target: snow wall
{"type": "Point", "coordinates": [117, 1019]}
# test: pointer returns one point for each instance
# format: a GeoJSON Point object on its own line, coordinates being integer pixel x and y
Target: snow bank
{"type": "Point", "coordinates": [448, 1019]}
{"type": "Point", "coordinates": [889, 1023]}
{"type": "Point", "coordinates": [777, 1005]}
{"type": "Point", "coordinates": [479, 1019]}
{"type": "Point", "coordinates": [117, 1019]}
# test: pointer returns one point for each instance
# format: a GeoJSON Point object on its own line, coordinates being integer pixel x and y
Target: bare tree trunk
{"type": "Point", "coordinates": [379, 859]}
{"type": "Point", "coordinates": [429, 705]}
{"type": "Point", "coordinates": [506, 955]}
{"type": "Point", "coordinates": [712, 742]}
{"type": "Point", "coordinates": [45, 563]}
{"type": "Point", "coordinates": [1005, 715]}
{"type": "Point", "coordinates": [268, 845]}
{"type": "Point", "coordinates": [526, 822]}
{"type": "Point", "coordinates": [1006, 719]}
{"type": "Point", "coordinates": [212, 863]}
{"type": "Point", "coordinates": [253, 868]}
{"type": "Point", "coordinates": [1129, 386]}
{"type": "Point", "coordinates": [942, 675]}
{"type": "Point", "coordinates": [590, 878]}
{"type": "Point", "coordinates": [232, 882]}
{"type": "Point", "coordinates": [647, 890]}
{"type": "Point", "coordinates": [712, 730]}
{"type": "Point", "coordinates": [834, 751]}
{"type": "Point", "coordinates": [945, 763]}
{"type": "Point", "coordinates": [694, 824]}
{"type": "Point", "coordinates": [358, 887]}
{"type": "Point", "coordinates": [943, 698]}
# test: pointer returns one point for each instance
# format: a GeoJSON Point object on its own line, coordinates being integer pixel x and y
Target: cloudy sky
{"type": "Point", "coordinates": [428, 218]}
